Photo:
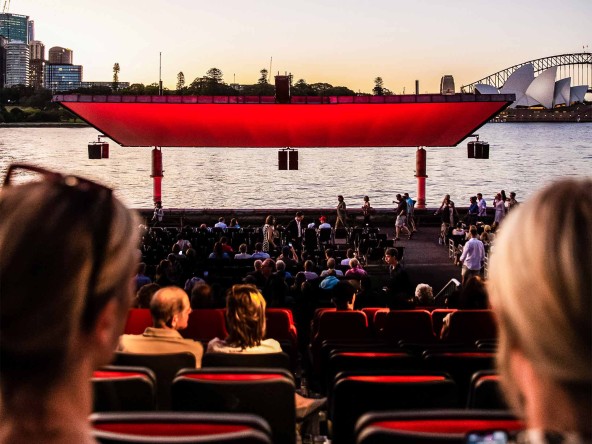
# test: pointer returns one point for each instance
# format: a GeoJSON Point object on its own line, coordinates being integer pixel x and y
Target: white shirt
{"type": "Point", "coordinates": [325, 273]}
{"type": "Point", "coordinates": [482, 208]}
{"type": "Point", "coordinates": [324, 225]}
{"type": "Point", "coordinates": [473, 254]}
{"type": "Point", "coordinates": [220, 225]}
{"type": "Point", "coordinates": [346, 261]}
{"type": "Point", "coordinates": [218, 345]}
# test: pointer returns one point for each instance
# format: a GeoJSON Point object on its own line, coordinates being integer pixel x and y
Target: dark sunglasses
{"type": "Point", "coordinates": [89, 198]}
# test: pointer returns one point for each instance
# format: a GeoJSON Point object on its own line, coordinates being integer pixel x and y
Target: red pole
{"type": "Point", "coordinates": [157, 174]}
{"type": "Point", "coordinates": [420, 173]}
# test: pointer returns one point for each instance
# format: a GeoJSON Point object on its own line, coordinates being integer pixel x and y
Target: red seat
{"type": "Point", "coordinates": [119, 388]}
{"type": "Point", "coordinates": [485, 392]}
{"type": "Point", "coordinates": [138, 319]}
{"type": "Point", "coordinates": [408, 325]}
{"type": "Point", "coordinates": [205, 324]}
{"type": "Point", "coordinates": [357, 393]}
{"type": "Point", "coordinates": [176, 427]}
{"type": "Point", "coordinates": [280, 326]}
{"type": "Point", "coordinates": [379, 320]}
{"type": "Point", "coordinates": [268, 393]}
{"type": "Point", "coordinates": [370, 313]}
{"type": "Point", "coordinates": [439, 426]}
{"type": "Point", "coordinates": [469, 326]}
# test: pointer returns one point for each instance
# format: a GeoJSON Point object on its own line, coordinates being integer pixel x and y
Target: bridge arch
{"type": "Point", "coordinates": [578, 66]}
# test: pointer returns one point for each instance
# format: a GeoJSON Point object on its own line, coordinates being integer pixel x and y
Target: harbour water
{"type": "Point", "coordinates": [523, 157]}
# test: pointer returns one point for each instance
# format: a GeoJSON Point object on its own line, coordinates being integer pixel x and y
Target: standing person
{"type": "Point", "coordinates": [158, 213]}
{"type": "Point", "coordinates": [341, 213]}
{"type": "Point", "coordinates": [294, 230]}
{"type": "Point", "coordinates": [401, 218]}
{"type": "Point", "coordinates": [448, 210]}
{"type": "Point", "coordinates": [512, 202]}
{"type": "Point", "coordinates": [64, 305]}
{"type": "Point", "coordinates": [366, 211]}
{"type": "Point", "coordinates": [269, 234]}
{"type": "Point", "coordinates": [472, 256]}
{"type": "Point", "coordinates": [399, 290]}
{"type": "Point", "coordinates": [541, 294]}
{"type": "Point", "coordinates": [500, 209]}
{"type": "Point", "coordinates": [482, 205]}
{"type": "Point", "coordinates": [473, 213]}
{"type": "Point", "coordinates": [410, 213]}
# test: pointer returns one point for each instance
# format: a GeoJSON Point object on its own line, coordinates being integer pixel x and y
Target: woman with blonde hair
{"type": "Point", "coordinates": [64, 302]}
{"type": "Point", "coordinates": [245, 322]}
{"type": "Point", "coordinates": [541, 293]}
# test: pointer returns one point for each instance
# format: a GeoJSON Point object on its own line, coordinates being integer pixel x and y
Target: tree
{"type": "Point", "coordinates": [116, 70]}
{"type": "Point", "coordinates": [180, 81]}
{"type": "Point", "coordinates": [214, 75]}
{"type": "Point", "coordinates": [378, 89]}
{"type": "Point", "coordinates": [263, 79]}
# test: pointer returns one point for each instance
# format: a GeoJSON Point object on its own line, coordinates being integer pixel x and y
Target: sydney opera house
{"type": "Point", "coordinates": [538, 91]}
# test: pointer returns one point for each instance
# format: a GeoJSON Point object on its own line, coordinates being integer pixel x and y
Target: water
{"type": "Point", "coordinates": [523, 157]}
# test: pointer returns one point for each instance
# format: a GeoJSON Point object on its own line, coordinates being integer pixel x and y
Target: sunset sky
{"type": "Point", "coordinates": [341, 42]}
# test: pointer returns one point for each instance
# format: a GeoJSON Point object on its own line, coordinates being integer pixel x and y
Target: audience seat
{"type": "Point", "coordinates": [280, 326]}
{"type": "Point", "coordinates": [123, 389]}
{"type": "Point", "coordinates": [138, 319]}
{"type": "Point", "coordinates": [408, 325]}
{"type": "Point", "coordinates": [164, 366]}
{"type": "Point", "coordinates": [262, 360]}
{"type": "Point", "coordinates": [461, 365]}
{"type": "Point", "coordinates": [268, 393]}
{"type": "Point", "coordinates": [485, 392]}
{"type": "Point", "coordinates": [438, 316]}
{"type": "Point", "coordinates": [370, 315]}
{"type": "Point", "coordinates": [205, 324]}
{"type": "Point", "coordinates": [468, 326]}
{"type": "Point", "coordinates": [356, 393]}
{"type": "Point", "coordinates": [176, 427]}
{"type": "Point", "coordinates": [438, 426]}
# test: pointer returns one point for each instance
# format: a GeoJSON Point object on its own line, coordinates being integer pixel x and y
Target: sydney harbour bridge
{"type": "Point", "coordinates": [578, 66]}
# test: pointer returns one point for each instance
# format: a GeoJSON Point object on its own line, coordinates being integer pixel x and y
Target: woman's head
{"type": "Point", "coordinates": [69, 252]}
{"type": "Point", "coordinates": [245, 316]}
{"type": "Point", "coordinates": [269, 220]}
{"type": "Point", "coordinates": [540, 288]}
{"type": "Point", "coordinates": [366, 199]}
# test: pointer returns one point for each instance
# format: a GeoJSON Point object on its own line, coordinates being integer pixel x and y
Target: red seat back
{"type": "Point", "coordinates": [123, 389]}
{"type": "Point", "coordinates": [469, 326]}
{"type": "Point", "coordinates": [205, 325]}
{"type": "Point", "coordinates": [370, 312]}
{"type": "Point", "coordinates": [138, 319]}
{"type": "Point", "coordinates": [280, 325]}
{"type": "Point", "coordinates": [408, 325]}
{"type": "Point", "coordinates": [343, 325]}
{"type": "Point", "coordinates": [438, 316]}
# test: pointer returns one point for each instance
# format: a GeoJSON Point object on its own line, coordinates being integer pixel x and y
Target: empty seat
{"type": "Point", "coordinates": [261, 360]}
{"type": "Point", "coordinates": [370, 314]}
{"type": "Point", "coordinates": [176, 427]}
{"type": "Point", "coordinates": [438, 316]}
{"type": "Point", "coordinates": [485, 392]}
{"type": "Point", "coordinates": [268, 393]}
{"type": "Point", "coordinates": [408, 325]}
{"type": "Point", "coordinates": [438, 426]}
{"type": "Point", "coordinates": [468, 326]}
{"type": "Point", "coordinates": [123, 389]}
{"type": "Point", "coordinates": [164, 366]}
{"type": "Point", "coordinates": [205, 324]}
{"type": "Point", "coordinates": [341, 236]}
{"type": "Point", "coordinates": [280, 326]}
{"type": "Point", "coordinates": [460, 365]}
{"type": "Point", "coordinates": [356, 393]}
{"type": "Point", "coordinates": [138, 319]}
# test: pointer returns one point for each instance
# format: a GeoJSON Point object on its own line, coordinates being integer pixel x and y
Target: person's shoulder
{"type": "Point", "coordinates": [272, 344]}
{"type": "Point", "coordinates": [217, 345]}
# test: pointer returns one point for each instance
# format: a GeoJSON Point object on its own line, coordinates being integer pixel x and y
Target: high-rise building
{"type": "Point", "coordinates": [60, 56]}
{"type": "Point", "coordinates": [37, 50]}
{"type": "Point", "coordinates": [61, 77]}
{"type": "Point", "coordinates": [17, 64]}
{"type": "Point", "coordinates": [14, 27]}
{"type": "Point", "coordinates": [3, 43]}
{"type": "Point", "coordinates": [31, 31]}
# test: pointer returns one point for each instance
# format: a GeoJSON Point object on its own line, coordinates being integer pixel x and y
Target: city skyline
{"type": "Point", "coordinates": [344, 43]}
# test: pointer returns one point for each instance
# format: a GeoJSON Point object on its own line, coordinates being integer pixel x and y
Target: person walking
{"type": "Point", "coordinates": [341, 221]}
{"type": "Point", "coordinates": [472, 256]}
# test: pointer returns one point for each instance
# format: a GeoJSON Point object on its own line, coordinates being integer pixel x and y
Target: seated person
{"type": "Point", "coordinates": [331, 271]}
{"type": "Point", "coordinates": [424, 295]}
{"type": "Point", "coordinates": [144, 295]}
{"type": "Point", "coordinates": [242, 252]}
{"type": "Point", "coordinates": [280, 267]}
{"type": "Point", "coordinates": [458, 230]}
{"type": "Point", "coordinates": [141, 278]}
{"type": "Point", "coordinates": [225, 246]}
{"type": "Point", "coordinates": [350, 254]}
{"type": "Point", "coordinates": [245, 322]}
{"type": "Point", "coordinates": [202, 296]}
{"type": "Point", "coordinates": [355, 271]}
{"type": "Point", "coordinates": [259, 253]}
{"type": "Point", "coordinates": [170, 310]}
{"type": "Point", "coordinates": [289, 256]}
{"type": "Point", "coordinates": [324, 223]}
{"type": "Point", "coordinates": [308, 272]}
{"type": "Point", "coordinates": [344, 295]}
{"type": "Point", "coordinates": [221, 223]}
{"type": "Point", "coordinates": [218, 252]}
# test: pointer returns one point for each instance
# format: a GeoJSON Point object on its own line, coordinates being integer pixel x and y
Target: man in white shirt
{"type": "Point", "coordinates": [324, 223]}
{"type": "Point", "coordinates": [221, 224]}
{"type": "Point", "coordinates": [482, 206]}
{"type": "Point", "coordinates": [472, 256]}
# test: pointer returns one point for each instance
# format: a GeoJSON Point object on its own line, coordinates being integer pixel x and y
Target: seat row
{"type": "Point", "coordinates": [269, 393]}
